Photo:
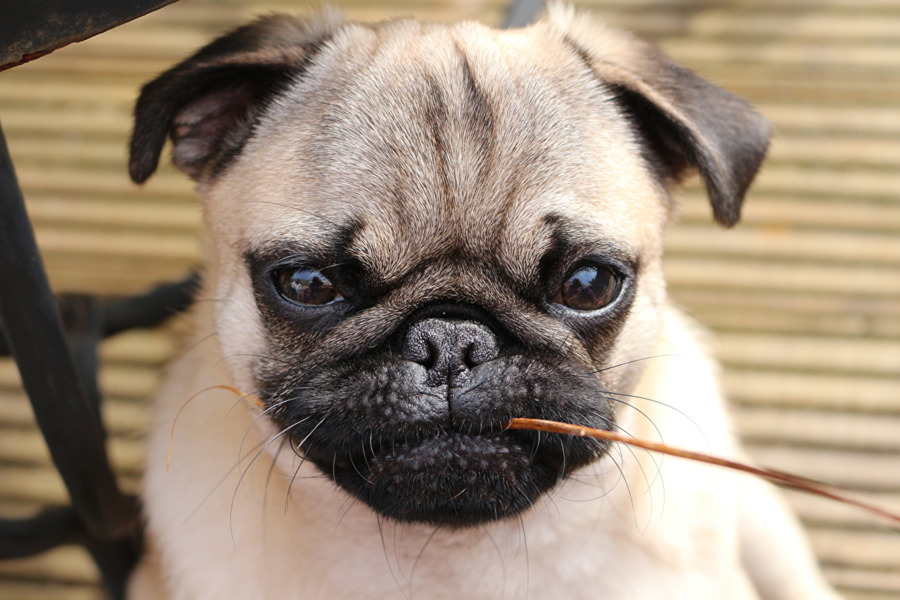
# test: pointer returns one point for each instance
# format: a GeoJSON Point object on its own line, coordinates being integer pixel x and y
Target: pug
{"type": "Point", "coordinates": [416, 233]}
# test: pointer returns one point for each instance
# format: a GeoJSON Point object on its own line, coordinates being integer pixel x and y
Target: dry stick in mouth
{"type": "Point", "coordinates": [779, 477]}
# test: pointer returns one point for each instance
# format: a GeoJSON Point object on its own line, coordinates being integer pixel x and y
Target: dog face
{"type": "Point", "coordinates": [422, 231]}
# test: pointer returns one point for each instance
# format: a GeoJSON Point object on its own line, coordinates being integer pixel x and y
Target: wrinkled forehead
{"type": "Point", "coordinates": [463, 136]}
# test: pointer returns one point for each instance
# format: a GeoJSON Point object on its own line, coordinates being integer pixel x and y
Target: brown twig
{"type": "Point", "coordinates": [781, 478]}
{"type": "Point", "coordinates": [778, 477]}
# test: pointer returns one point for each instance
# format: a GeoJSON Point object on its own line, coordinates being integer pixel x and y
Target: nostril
{"type": "Point", "coordinates": [432, 351]}
{"type": "Point", "coordinates": [480, 350]}
{"type": "Point", "coordinates": [418, 347]}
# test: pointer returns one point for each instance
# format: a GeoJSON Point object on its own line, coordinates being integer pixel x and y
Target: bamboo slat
{"type": "Point", "coordinates": [845, 355]}
{"type": "Point", "coordinates": [822, 391]}
{"type": "Point", "coordinates": [875, 550]}
{"type": "Point", "coordinates": [69, 565]}
{"type": "Point", "coordinates": [122, 416]}
{"type": "Point", "coordinates": [19, 589]}
{"type": "Point", "coordinates": [865, 471]}
{"type": "Point", "coordinates": [821, 512]}
{"type": "Point", "coordinates": [876, 432]}
{"type": "Point", "coordinates": [792, 213]}
{"type": "Point", "coordinates": [786, 276]}
{"type": "Point", "coordinates": [772, 243]}
{"type": "Point", "coordinates": [873, 121]}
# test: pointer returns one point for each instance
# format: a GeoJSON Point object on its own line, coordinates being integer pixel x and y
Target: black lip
{"type": "Point", "coordinates": [453, 478]}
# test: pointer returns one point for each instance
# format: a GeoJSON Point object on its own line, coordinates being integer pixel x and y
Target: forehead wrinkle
{"type": "Point", "coordinates": [383, 159]}
{"type": "Point", "coordinates": [387, 251]}
{"type": "Point", "coordinates": [536, 129]}
{"type": "Point", "coordinates": [419, 183]}
{"type": "Point", "coordinates": [523, 246]}
{"type": "Point", "coordinates": [374, 157]}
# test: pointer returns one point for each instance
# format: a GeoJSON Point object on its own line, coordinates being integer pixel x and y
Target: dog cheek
{"type": "Point", "coordinates": [634, 348]}
{"type": "Point", "coordinates": [239, 329]}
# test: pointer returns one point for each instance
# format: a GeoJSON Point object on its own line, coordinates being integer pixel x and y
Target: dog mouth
{"type": "Point", "coordinates": [441, 454]}
{"type": "Point", "coordinates": [453, 478]}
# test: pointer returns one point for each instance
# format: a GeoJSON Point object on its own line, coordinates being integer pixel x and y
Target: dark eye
{"type": "Point", "coordinates": [306, 286]}
{"type": "Point", "coordinates": [590, 287]}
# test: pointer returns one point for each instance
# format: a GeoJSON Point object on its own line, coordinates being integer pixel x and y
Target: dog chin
{"type": "Point", "coordinates": [455, 478]}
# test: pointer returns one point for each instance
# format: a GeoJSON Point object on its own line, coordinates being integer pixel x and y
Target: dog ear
{"type": "Point", "coordinates": [687, 121]}
{"type": "Point", "coordinates": [208, 104]}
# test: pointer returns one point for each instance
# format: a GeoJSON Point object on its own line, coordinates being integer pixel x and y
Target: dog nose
{"type": "Point", "coordinates": [448, 348]}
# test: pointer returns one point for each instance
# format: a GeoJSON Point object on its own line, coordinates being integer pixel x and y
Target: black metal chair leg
{"type": "Point", "coordinates": [62, 408]}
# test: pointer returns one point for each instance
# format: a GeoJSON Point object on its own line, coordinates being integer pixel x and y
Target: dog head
{"type": "Point", "coordinates": [422, 231]}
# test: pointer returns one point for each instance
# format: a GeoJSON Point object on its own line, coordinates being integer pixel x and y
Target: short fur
{"type": "Point", "coordinates": [448, 180]}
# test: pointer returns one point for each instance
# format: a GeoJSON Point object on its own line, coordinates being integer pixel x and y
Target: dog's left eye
{"type": "Point", "coordinates": [589, 287]}
{"type": "Point", "coordinates": [306, 286]}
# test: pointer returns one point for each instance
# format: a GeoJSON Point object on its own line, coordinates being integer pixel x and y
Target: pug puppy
{"type": "Point", "coordinates": [418, 232]}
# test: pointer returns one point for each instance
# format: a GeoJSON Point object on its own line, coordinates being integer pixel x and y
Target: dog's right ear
{"type": "Point", "coordinates": [209, 103]}
{"type": "Point", "coordinates": [687, 122]}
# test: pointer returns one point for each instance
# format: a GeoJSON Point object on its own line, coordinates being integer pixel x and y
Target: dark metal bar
{"type": "Point", "coordinates": [58, 526]}
{"type": "Point", "coordinates": [63, 391]}
{"type": "Point", "coordinates": [46, 530]}
{"type": "Point", "coordinates": [81, 318]}
{"type": "Point", "coordinates": [62, 408]}
{"type": "Point", "coordinates": [30, 29]}
{"type": "Point", "coordinates": [150, 309]}
{"type": "Point", "coordinates": [116, 559]}
{"type": "Point", "coordinates": [87, 316]}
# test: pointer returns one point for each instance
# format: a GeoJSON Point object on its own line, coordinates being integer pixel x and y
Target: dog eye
{"type": "Point", "coordinates": [589, 287]}
{"type": "Point", "coordinates": [306, 286]}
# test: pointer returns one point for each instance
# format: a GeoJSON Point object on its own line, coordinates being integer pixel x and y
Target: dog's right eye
{"type": "Point", "coordinates": [589, 287]}
{"type": "Point", "coordinates": [306, 286]}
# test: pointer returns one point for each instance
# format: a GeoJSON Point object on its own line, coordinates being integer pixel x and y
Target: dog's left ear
{"type": "Point", "coordinates": [208, 103]}
{"type": "Point", "coordinates": [687, 121]}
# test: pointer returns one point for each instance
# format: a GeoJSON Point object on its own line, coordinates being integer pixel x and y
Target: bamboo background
{"type": "Point", "coordinates": [803, 297]}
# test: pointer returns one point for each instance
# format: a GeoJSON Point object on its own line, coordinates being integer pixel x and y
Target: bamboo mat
{"type": "Point", "coordinates": [803, 297]}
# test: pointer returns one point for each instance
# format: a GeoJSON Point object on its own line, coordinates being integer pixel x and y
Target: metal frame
{"type": "Point", "coordinates": [54, 343]}
{"type": "Point", "coordinates": [59, 372]}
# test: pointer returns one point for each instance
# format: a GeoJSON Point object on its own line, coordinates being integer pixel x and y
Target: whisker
{"type": "Point", "coordinates": [624, 479]}
{"type": "Point", "coordinates": [193, 346]}
{"type": "Point", "coordinates": [527, 558]}
{"type": "Point", "coordinates": [297, 208]}
{"type": "Point", "coordinates": [500, 555]}
{"type": "Point", "coordinates": [637, 360]}
{"type": "Point", "coordinates": [355, 468]}
{"type": "Point", "coordinates": [220, 482]}
{"type": "Point", "coordinates": [302, 460]}
{"type": "Point", "coordinates": [189, 401]}
{"type": "Point", "coordinates": [350, 501]}
{"type": "Point", "coordinates": [400, 587]}
{"type": "Point", "coordinates": [657, 464]}
{"type": "Point", "coordinates": [272, 470]}
{"type": "Point", "coordinates": [247, 470]}
{"type": "Point", "coordinates": [262, 414]}
{"type": "Point", "coordinates": [412, 571]}
{"type": "Point", "coordinates": [665, 405]}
